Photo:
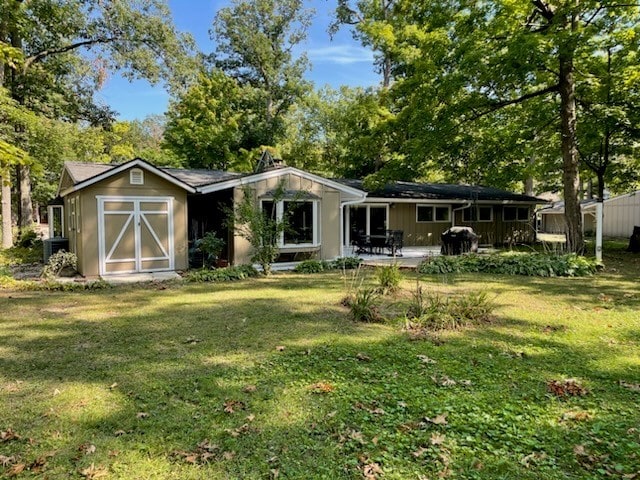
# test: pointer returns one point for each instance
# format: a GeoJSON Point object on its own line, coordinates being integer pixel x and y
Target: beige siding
{"type": "Point", "coordinates": [498, 231]}
{"type": "Point", "coordinates": [86, 235]}
{"type": "Point", "coordinates": [621, 214]}
{"type": "Point", "coordinates": [328, 215]}
{"type": "Point", "coordinates": [402, 216]}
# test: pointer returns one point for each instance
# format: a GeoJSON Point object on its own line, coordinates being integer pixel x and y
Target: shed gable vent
{"type": "Point", "coordinates": [136, 177]}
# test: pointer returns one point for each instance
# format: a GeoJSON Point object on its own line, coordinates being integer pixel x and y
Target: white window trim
{"type": "Point", "coordinates": [433, 207]}
{"type": "Point", "coordinates": [478, 207]}
{"type": "Point", "coordinates": [280, 215]}
{"type": "Point", "coordinates": [517, 207]}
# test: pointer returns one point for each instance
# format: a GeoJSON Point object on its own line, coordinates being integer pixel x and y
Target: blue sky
{"type": "Point", "coordinates": [341, 61]}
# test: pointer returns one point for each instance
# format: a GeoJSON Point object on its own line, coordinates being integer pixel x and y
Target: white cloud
{"type": "Point", "coordinates": [340, 54]}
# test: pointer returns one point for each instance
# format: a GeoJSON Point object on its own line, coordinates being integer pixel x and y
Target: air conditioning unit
{"type": "Point", "coordinates": [53, 245]}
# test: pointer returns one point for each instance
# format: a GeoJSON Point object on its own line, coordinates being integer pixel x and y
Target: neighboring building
{"type": "Point", "coordinates": [136, 217]}
{"type": "Point", "coordinates": [620, 215]}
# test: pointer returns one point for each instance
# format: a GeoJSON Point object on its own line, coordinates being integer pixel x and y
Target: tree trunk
{"type": "Point", "coordinates": [7, 234]}
{"type": "Point", "coordinates": [570, 175]}
{"type": "Point", "coordinates": [25, 217]}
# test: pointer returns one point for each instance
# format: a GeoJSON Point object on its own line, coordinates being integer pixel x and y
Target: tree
{"type": "Point", "coordinates": [369, 19]}
{"type": "Point", "coordinates": [55, 80]}
{"type": "Point", "coordinates": [255, 41]}
{"type": "Point", "coordinates": [460, 62]}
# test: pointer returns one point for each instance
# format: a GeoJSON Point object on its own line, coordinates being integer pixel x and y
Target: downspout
{"type": "Point", "coordinates": [342, 205]}
{"type": "Point", "coordinates": [453, 212]}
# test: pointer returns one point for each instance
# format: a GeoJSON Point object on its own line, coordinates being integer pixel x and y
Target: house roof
{"type": "Point", "coordinates": [202, 181]}
{"type": "Point", "coordinates": [557, 208]}
{"type": "Point", "coordinates": [441, 191]}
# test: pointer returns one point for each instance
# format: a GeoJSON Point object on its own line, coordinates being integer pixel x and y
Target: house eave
{"type": "Point", "coordinates": [447, 201]}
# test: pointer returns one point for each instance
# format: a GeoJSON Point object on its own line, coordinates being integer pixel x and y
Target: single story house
{"type": "Point", "coordinates": [136, 217]}
{"type": "Point", "coordinates": [619, 215]}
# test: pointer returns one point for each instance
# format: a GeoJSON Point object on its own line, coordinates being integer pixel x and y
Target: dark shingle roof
{"type": "Point", "coordinates": [441, 191]}
{"type": "Point", "coordinates": [198, 178]}
{"type": "Point", "coordinates": [80, 171]}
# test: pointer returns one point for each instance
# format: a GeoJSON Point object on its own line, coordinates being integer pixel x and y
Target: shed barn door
{"type": "Point", "coordinates": [135, 234]}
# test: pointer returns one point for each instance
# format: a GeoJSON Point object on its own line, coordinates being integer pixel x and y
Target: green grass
{"type": "Point", "coordinates": [144, 374]}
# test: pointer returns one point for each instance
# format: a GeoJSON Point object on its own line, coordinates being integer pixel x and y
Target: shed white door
{"type": "Point", "coordinates": [135, 234]}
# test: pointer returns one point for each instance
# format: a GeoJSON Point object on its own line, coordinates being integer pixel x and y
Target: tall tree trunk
{"type": "Point", "coordinates": [570, 160]}
{"type": "Point", "coordinates": [7, 234]}
{"type": "Point", "coordinates": [25, 217]}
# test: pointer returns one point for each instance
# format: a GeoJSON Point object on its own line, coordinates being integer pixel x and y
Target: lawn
{"type": "Point", "coordinates": [269, 378]}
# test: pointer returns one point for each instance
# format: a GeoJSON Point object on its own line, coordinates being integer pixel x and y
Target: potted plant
{"type": "Point", "coordinates": [211, 246]}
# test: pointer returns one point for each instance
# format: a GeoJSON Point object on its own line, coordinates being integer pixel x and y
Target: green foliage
{"type": "Point", "coordinates": [437, 312]}
{"type": "Point", "coordinates": [226, 274]}
{"type": "Point", "coordinates": [530, 264]}
{"type": "Point", "coordinates": [312, 266]}
{"type": "Point", "coordinates": [21, 255]}
{"type": "Point", "coordinates": [317, 266]}
{"type": "Point", "coordinates": [58, 262]}
{"type": "Point", "coordinates": [388, 277]}
{"type": "Point", "coordinates": [363, 305]}
{"type": "Point", "coordinates": [261, 229]}
{"type": "Point", "coordinates": [211, 247]}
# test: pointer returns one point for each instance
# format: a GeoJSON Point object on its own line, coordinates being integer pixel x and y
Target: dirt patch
{"type": "Point", "coordinates": [27, 271]}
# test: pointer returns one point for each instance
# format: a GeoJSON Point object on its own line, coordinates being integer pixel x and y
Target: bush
{"type": "Point", "coordinates": [211, 246]}
{"type": "Point", "coordinates": [389, 278]}
{"type": "Point", "coordinates": [58, 262]}
{"type": "Point", "coordinates": [363, 305]}
{"type": "Point", "coordinates": [312, 266]}
{"type": "Point", "coordinates": [346, 263]}
{"type": "Point", "coordinates": [512, 263]}
{"type": "Point", "coordinates": [434, 312]}
{"type": "Point", "coordinates": [226, 274]}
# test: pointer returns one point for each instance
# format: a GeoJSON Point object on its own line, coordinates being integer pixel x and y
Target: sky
{"type": "Point", "coordinates": [335, 62]}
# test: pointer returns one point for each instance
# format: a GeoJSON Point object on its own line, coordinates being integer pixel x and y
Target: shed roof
{"type": "Point", "coordinates": [441, 191]}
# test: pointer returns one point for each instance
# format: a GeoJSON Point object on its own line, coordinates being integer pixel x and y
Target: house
{"type": "Point", "coordinates": [423, 211]}
{"type": "Point", "coordinates": [136, 217]}
{"type": "Point", "coordinates": [619, 215]}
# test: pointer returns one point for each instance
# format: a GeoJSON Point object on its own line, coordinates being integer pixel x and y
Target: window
{"type": "Point", "coordinates": [477, 214]}
{"type": "Point", "coordinates": [432, 213]}
{"type": "Point", "coordinates": [299, 223]}
{"type": "Point", "coordinates": [136, 176]}
{"type": "Point", "coordinates": [302, 221]}
{"type": "Point", "coordinates": [515, 214]}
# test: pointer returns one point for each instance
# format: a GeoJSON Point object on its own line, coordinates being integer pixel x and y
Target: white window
{"type": "Point", "coordinates": [477, 214]}
{"type": "Point", "coordinates": [136, 176]}
{"type": "Point", "coordinates": [515, 214]}
{"type": "Point", "coordinates": [432, 213]}
{"type": "Point", "coordinates": [302, 221]}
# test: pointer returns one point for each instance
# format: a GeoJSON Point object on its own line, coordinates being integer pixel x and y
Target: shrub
{"type": "Point", "coordinates": [363, 305]}
{"type": "Point", "coordinates": [346, 263]}
{"type": "Point", "coordinates": [435, 312]}
{"type": "Point", "coordinates": [58, 262]}
{"type": "Point", "coordinates": [389, 277]}
{"type": "Point", "coordinates": [211, 246]}
{"type": "Point", "coordinates": [312, 266]}
{"type": "Point", "coordinates": [226, 274]}
{"type": "Point", "coordinates": [512, 263]}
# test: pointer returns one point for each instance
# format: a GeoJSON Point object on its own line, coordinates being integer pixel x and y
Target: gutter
{"type": "Point", "coordinates": [453, 212]}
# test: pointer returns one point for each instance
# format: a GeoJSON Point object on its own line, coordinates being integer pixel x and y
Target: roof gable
{"type": "Point", "coordinates": [86, 174]}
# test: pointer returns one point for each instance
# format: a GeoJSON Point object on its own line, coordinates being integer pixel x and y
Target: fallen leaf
{"type": "Point", "coordinates": [113, 386]}
{"type": "Point", "coordinates": [567, 387]}
{"type": "Point", "coordinates": [228, 455]}
{"type": "Point", "coordinates": [438, 419]}
{"type": "Point", "coordinates": [56, 392]}
{"type": "Point", "coordinates": [250, 388]}
{"type": "Point", "coordinates": [9, 435]}
{"type": "Point", "coordinates": [275, 473]}
{"type": "Point", "coordinates": [576, 416]}
{"type": "Point", "coordinates": [579, 450]}
{"type": "Point", "coordinates": [119, 433]}
{"type": "Point", "coordinates": [371, 471]}
{"type": "Point", "coordinates": [437, 438]}
{"type": "Point", "coordinates": [363, 357]}
{"type": "Point", "coordinates": [230, 406]}
{"type": "Point", "coordinates": [94, 472]}
{"type": "Point", "coordinates": [208, 446]}
{"type": "Point", "coordinates": [87, 448]}
{"type": "Point", "coordinates": [142, 415]}
{"type": "Point", "coordinates": [425, 359]}
{"type": "Point", "coordinates": [332, 414]}
{"type": "Point", "coordinates": [16, 469]}
{"type": "Point", "coordinates": [421, 451]}
{"type": "Point", "coordinates": [250, 418]}
{"type": "Point", "coordinates": [114, 453]}
{"type": "Point", "coordinates": [280, 348]}
{"type": "Point", "coordinates": [322, 387]}
{"type": "Point", "coordinates": [377, 411]}
{"type": "Point", "coordinates": [6, 461]}
{"type": "Point", "coordinates": [635, 387]}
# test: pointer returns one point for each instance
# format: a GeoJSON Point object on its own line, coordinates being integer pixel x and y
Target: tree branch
{"type": "Point", "coordinates": [73, 46]}
{"type": "Point", "coordinates": [505, 103]}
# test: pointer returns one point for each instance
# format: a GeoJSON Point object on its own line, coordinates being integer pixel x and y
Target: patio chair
{"type": "Point", "coordinates": [361, 243]}
{"type": "Point", "coordinates": [395, 240]}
